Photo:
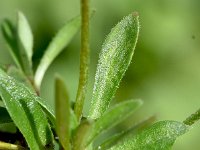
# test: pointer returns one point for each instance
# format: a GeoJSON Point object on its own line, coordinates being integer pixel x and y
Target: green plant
{"type": "Point", "coordinates": [40, 125]}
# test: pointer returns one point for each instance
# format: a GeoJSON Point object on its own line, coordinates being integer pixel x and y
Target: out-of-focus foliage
{"type": "Point", "coordinates": [165, 69]}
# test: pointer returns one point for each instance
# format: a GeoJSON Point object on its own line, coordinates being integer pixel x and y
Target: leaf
{"type": "Point", "coordinates": [19, 76]}
{"type": "Point", "coordinates": [159, 136]}
{"type": "Point", "coordinates": [18, 40]}
{"type": "Point", "coordinates": [48, 110]}
{"type": "Point", "coordinates": [25, 112]}
{"type": "Point", "coordinates": [9, 33]}
{"type": "Point", "coordinates": [62, 113]}
{"type": "Point", "coordinates": [4, 116]}
{"type": "Point", "coordinates": [115, 115]}
{"type": "Point", "coordinates": [25, 43]}
{"type": "Point", "coordinates": [80, 135]}
{"type": "Point", "coordinates": [119, 136]}
{"type": "Point", "coordinates": [51, 114]}
{"type": "Point", "coordinates": [192, 118]}
{"type": "Point", "coordinates": [25, 35]}
{"type": "Point", "coordinates": [114, 59]}
{"type": "Point", "coordinates": [60, 41]}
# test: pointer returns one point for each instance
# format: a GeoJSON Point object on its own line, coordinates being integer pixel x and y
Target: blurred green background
{"type": "Point", "coordinates": [165, 70]}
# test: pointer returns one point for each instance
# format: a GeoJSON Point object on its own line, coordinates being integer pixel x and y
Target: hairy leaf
{"type": "Point", "coordinates": [115, 57]}
{"type": "Point", "coordinates": [159, 136]}
{"type": "Point", "coordinates": [60, 41]}
{"type": "Point", "coordinates": [19, 76]}
{"type": "Point", "coordinates": [115, 115]}
{"type": "Point", "coordinates": [119, 136]}
{"type": "Point", "coordinates": [62, 113]}
{"type": "Point", "coordinates": [25, 112]}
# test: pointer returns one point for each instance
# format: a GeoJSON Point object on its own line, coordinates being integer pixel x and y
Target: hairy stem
{"type": "Point", "coordinates": [84, 59]}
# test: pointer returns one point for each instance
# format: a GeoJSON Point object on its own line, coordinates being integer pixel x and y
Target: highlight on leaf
{"type": "Point", "coordinates": [25, 112]}
{"type": "Point", "coordinates": [159, 136]}
{"type": "Point", "coordinates": [114, 59]}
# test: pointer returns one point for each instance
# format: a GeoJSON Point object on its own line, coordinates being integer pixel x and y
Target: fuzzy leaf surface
{"type": "Point", "coordinates": [25, 112]}
{"type": "Point", "coordinates": [114, 116]}
{"type": "Point", "coordinates": [114, 59]}
{"type": "Point", "coordinates": [59, 42]}
{"type": "Point", "coordinates": [159, 136]}
{"type": "Point", "coordinates": [119, 136]}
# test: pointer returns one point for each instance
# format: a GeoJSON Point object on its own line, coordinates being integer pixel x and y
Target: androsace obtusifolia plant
{"type": "Point", "coordinates": [36, 124]}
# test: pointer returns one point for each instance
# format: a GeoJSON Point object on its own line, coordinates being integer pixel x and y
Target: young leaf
{"type": "Point", "coordinates": [62, 113]}
{"type": "Point", "coordinates": [25, 112]}
{"type": "Point", "coordinates": [115, 115]}
{"type": "Point", "coordinates": [159, 136]}
{"type": "Point", "coordinates": [115, 57]}
{"type": "Point", "coordinates": [80, 135]}
{"type": "Point", "coordinates": [19, 41]}
{"type": "Point", "coordinates": [9, 32]}
{"type": "Point", "coordinates": [25, 35]}
{"type": "Point", "coordinates": [60, 41]}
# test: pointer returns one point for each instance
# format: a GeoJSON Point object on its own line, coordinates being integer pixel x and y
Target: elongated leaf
{"type": "Point", "coordinates": [25, 112]}
{"type": "Point", "coordinates": [9, 32]}
{"type": "Point", "coordinates": [115, 57]}
{"type": "Point", "coordinates": [25, 35]}
{"type": "Point", "coordinates": [60, 41]}
{"type": "Point", "coordinates": [113, 117]}
{"type": "Point", "coordinates": [119, 136]}
{"type": "Point", "coordinates": [160, 136]}
{"type": "Point", "coordinates": [48, 110]}
{"type": "Point", "coordinates": [25, 43]}
{"type": "Point", "coordinates": [62, 113]}
{"type": "Point", "coordinates": [18, 39]}
{"type": "Point", "coordinates": [4, 116]}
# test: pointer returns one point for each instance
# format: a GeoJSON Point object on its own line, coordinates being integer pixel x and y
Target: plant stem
{"type": "Point", "coordinates": [84, 59]}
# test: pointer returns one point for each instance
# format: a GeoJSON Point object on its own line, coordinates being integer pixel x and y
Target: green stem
{"type": "Point", "coordinates": [192, 118]}
{"type": "Point", "coordinates": [84, 59]}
